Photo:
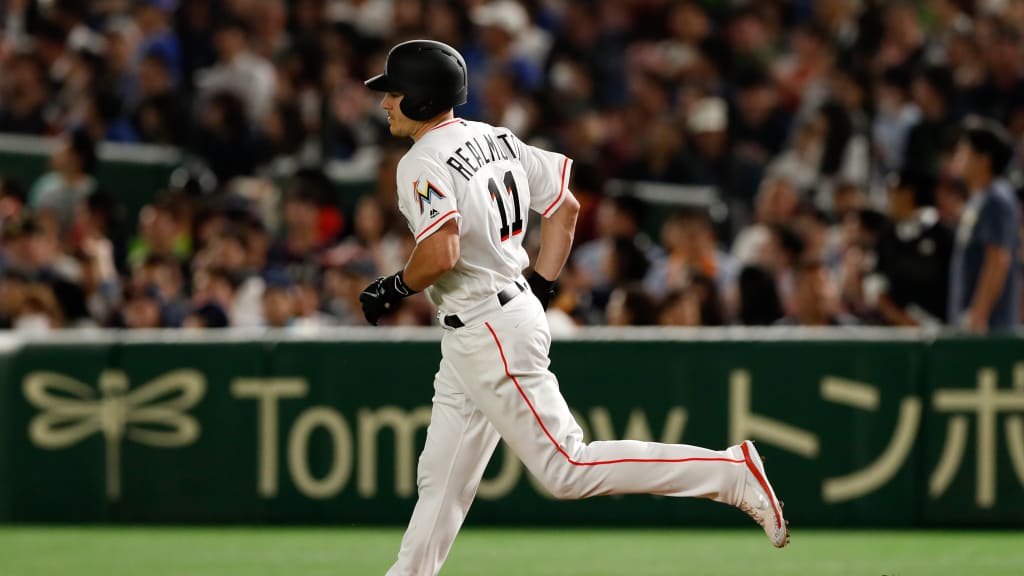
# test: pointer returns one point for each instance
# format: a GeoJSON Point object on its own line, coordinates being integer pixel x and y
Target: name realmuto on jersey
{"type": "Point", "coordinates": [481, 154]}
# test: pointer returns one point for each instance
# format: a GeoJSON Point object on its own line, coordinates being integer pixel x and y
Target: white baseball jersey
{"type": "Point", "coordinates": [485, 179]}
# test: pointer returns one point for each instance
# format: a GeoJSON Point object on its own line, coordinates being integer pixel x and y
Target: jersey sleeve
{"type": "Point", "coordinates": [426, 196]}
{"type": "Point", "coordinates": [548, 174]}
{"type": "Point", "coordinates": [996, 224]}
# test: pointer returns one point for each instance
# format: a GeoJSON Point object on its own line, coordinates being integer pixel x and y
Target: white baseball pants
{"type": "Point", "coordinates": [494, 383]}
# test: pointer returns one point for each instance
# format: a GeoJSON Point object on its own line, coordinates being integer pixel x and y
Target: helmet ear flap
{"type": "Point", "coordinates": [417, 107]}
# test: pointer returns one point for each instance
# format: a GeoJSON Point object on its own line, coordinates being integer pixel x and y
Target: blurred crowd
{"type": "Point", "coordinates": [854, 182]}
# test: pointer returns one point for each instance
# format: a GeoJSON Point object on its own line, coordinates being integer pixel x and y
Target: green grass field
{"type": "Point", "coordinates": [148, 551]}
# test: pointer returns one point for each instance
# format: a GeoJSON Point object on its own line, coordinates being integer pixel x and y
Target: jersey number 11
{"type": "Point", "coordinates": [517, 215]}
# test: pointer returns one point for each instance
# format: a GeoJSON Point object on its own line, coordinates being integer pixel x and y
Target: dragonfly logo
{"type": "Point", "coordinates": [153, 414]}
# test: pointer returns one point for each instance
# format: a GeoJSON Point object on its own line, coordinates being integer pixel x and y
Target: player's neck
{"type": "Point", "coordinates": [430, 124]}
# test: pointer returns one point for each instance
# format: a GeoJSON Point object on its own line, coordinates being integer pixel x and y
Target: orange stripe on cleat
{"type": "Point", "coordinates": [764, 484]}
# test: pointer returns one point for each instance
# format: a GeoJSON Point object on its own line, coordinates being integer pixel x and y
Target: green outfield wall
{"type": "Point", "coordinates": [858, 429]}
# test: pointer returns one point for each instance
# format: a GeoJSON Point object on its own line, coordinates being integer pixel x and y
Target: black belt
{"type": "Point", "coordinates": [504, 297]}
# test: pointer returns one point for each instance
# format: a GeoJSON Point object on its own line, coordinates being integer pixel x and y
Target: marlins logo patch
{"type": "Point", "coordinates": [425, 193]}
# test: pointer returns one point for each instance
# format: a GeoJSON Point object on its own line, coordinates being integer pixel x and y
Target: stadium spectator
{"type": "Point", "coordinates": [374, 233]}
{"type": "Point", "coordinates": [859, 240]}
{"type": "Point", "coordinates": [698, 304]}
{"type": "Point", "coordinates": [950, 199]}
{"type": "Point", "coordinates": [269, 24]}
{"type": "Point", "coordinates": [707, 124]}
{"type": "Point", "coordinates": [712, 310]}
{"type": "Point", "coordinates": [206, 316]}
{"type": "Point", "coordinates": [283, 134]}
{"type": "Point", "coordinates": [625, 263]}
{"type": "Point", "coordinates": [311, 315]}
{"type": "Point", "coordinates": [78, 88]}
{"type": "Point", "coordinates": [849, 197]}
{"type": "Point", "coordinates": [758, 127]}
{"type": "Point", "coordinates": [692, 249]}
{"type": "Point", "coordinates": [1003, 85]}
{"type": "Point", "coordinates": [914, 250]}
{"type": "Point", "coordinates": [58, 274]}
{"type": "Point", "coordinates": [157, 39]}
{"type": "Point", "coordinates": [776, 204]}
{"type": "Point", "coordinates": [844, 153]}
{"type": "Point", "coordinates": [39, 312]}
{"type": "Point", "coordinates": [163, 276]}
{"type": "Point", "coordinates": [306, 235]}
{"type": "Point", "coordinates": [816, 299]}
{"type": "Point", "coordinates": [12, 201]}
{"type": "Point", "coordinates": [17, 243]}
{"type": "Point", "coordinates": [820, 235]}
{"type": "Point", "coordinates": [160, 116]}
{"type": "Point", "coordinates": [55, 196]}
{"type": "Point", "coordinates": [216, 287]}
{"type": "Point", "coordinates": [225, 139]}
{"type": "Point", "coordinates": [504, 27]}
{"type": "Point", "coordinates": [24, 94]}
{"type": "Point", "coordinates": [799, 164]}
{"type": "Point", "coordinates": [896, 115]}
{"type": "Point", "coordinates": [680, 308]}
{"type": "Point", "coordinates": [759, 303]}
{"type": "Point", "coordinates": [98, 221]}
{"type": "Point", "coordinates": [934, 136]}
{"type": "Point", "coordinates": [141, 310]}
{"type": "Point", "coordinates": [104, 118]}
{"type": "Point", "coordinates": [280, 300]}
{"type": "Point", "coordinates": [100, 282]}
{"type": "Point", "coordinates": [630, 305]}
{"type": "Point", "coordinates": [342, 284]}
{"type": "Point", "coordinates": [163, 230]}
{"type": "Point", "coordinates": [800, 71]}
{"type": "Point", "coordinates": [780, 255]}
{"type": "Point", "coordinates": [662, 155]}
{"type": "Point", "coordinates": [238, 71]}
{"type": "Point", "coordinates": [13, 285]}
{"type": "Point", "coordinates": [984, 290]}
{"type": "Point", "coordinates": [229, 252]}
{"type": "Point", "coordinates": [258, 240]}
{"type": "Point", "coordinates": [120, 37]}
{"type": "Point", "coordinates": [617, 218]}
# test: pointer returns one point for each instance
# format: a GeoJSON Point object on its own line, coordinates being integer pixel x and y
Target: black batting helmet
{"type": "Point", "coordinates": [431, 75]}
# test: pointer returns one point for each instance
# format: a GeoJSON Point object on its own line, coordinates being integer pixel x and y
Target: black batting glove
{"type": "Point", "coordinates": [541, 287]}
{"type": "Point", "coordinates": [382, 295]}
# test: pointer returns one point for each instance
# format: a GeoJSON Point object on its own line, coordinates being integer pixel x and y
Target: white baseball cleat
{"type": "Point", "coordinates": [758, 499]}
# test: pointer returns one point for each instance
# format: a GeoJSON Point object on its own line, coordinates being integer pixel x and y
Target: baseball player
{"type": "Point", "coordinates": [464, 188]}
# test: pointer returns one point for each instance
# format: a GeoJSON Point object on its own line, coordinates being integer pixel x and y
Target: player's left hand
{"type": "Point", "coordinates": [382, 295]}
{"type": "Point", "coordinates": [541, 287]}
{"type": "Point", "coordinates": [372, 299]}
